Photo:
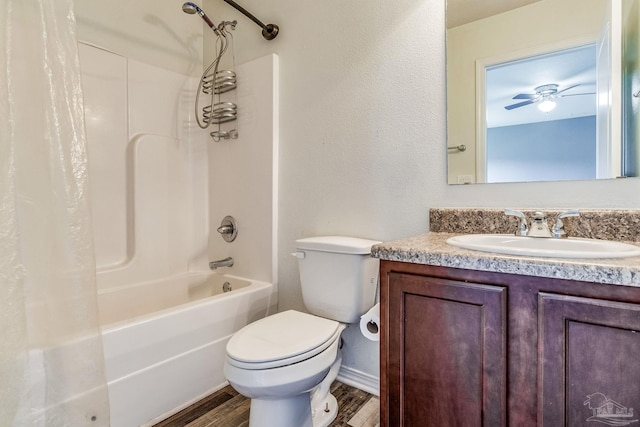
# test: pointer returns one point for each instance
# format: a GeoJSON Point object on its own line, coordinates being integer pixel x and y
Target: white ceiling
{"type": "Point", "coordinates": [461, 12]}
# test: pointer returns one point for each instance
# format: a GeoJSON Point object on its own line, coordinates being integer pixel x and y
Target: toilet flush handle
{"type": "Point", "coordinates": [298, 254]}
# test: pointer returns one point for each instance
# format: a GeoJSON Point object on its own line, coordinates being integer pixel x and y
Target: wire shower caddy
{"type": "Point", "coordinates": [213, 84]}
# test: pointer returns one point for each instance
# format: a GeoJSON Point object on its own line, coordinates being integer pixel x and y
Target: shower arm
{"type": "Point", "coordinates": [269, 31]}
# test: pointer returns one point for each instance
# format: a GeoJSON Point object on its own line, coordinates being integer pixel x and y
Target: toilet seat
{"type": "Point", "coordinates": [281, 339]}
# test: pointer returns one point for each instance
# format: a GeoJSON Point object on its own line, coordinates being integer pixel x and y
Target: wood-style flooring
{"type": "Point", "coordinates": [227, 408]}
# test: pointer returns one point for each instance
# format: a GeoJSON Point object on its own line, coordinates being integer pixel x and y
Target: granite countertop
{"type": "Point", "coordinates": [607, 224]}
{"type": "Point", "coordinates": [432, 249]}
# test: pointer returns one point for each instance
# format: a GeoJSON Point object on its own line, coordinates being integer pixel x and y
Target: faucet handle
{"type": "Point", "coordinates": [523, 228]}
{"type": "Point", "coordinates": [558, 228]}
{"type": "Point", "coordinates": [228, 229]}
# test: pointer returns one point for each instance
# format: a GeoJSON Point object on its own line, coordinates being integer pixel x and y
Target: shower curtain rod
{"type": "Point", "coordinates": [269, 31]}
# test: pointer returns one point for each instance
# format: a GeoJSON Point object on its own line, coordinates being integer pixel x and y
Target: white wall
{"type": "Point", "coordinates": [155, 32]}
{"type": "Point", "coordinates": [363, 130]}
{"type": "Point", "coordinates": [243, 174]}
{"type": "Point", "coordinates": [148, 160]}
{"type": "Point", "coordinates": [147, 167]}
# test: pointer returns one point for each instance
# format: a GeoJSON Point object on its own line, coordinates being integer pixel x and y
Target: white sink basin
{"type": "Point", "coordinates": [544, 247]}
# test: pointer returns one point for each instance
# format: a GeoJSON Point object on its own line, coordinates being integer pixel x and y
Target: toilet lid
{"type": "Point", "coordinates": [284, 335]}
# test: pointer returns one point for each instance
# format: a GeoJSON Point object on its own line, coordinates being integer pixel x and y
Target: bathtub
{"type": "Point", "coordinates": [164, 341]}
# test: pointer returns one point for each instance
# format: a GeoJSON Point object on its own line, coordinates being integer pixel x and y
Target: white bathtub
{"type": "Point", "coordinates": [164, 341]}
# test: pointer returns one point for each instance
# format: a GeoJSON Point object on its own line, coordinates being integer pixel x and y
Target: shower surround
{"type": "Point", "coordinates": [159, 184]}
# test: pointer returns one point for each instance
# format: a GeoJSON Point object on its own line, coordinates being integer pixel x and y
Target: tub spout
{"type": "Point", "coordinates": [227, 262]}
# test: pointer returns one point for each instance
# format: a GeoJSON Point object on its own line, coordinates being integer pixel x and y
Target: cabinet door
{"type": "Point", "coordinates": [447, 344]}
{"type": "Point", "coordinates": [589, 372]}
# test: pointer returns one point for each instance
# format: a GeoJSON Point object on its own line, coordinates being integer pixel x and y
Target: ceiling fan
{"type": "Point", "coordinates": [543, 93]}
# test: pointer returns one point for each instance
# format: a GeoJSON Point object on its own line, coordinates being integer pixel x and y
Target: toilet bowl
{"type": "Point", "coordinates": [285, 363]}
{"type": "Point", "coordinates": [277, 361]}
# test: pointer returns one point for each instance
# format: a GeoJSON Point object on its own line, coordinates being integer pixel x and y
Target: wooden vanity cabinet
{"type": "Point", "coordinates": [469, 348]}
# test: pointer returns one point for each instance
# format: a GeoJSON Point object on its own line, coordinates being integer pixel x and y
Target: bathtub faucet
{"type": "Point", "coordinates": [227, 262]}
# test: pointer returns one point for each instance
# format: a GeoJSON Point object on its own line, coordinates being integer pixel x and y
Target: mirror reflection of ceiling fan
{"type": "Point", "coordinates": [544, 95]}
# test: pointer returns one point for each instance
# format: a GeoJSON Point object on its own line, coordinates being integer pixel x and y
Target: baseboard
{"type": "Point", "coordinates": [359, 379]}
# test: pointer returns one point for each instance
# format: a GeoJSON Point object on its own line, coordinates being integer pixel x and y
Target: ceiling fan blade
{"type": "Point", "coordinates": [526, 96]}
{"type": "Point", "coordinates": [519, 104]}
{"type": "Point", "coordinates": [565, 89]}
{"type": "Point", "coordinates": [577, 94]}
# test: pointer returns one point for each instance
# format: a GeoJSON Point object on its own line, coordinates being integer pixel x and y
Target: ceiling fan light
{"type": "Point", "coordinates": [546, 105]}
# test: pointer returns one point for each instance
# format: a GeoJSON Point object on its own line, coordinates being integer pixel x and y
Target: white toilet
{"type": "Point", "coordinates": [286, 363]}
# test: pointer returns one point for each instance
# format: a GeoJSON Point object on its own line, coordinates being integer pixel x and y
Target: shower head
{"type": "Point", "coordinates": [192, 8]}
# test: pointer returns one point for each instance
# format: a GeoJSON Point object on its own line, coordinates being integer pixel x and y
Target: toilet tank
{"type": "Point", "coordinates": [338, 276]}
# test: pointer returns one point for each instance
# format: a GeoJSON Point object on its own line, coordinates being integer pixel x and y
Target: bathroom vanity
{"type": "Point", "coordinates": [473, 338]}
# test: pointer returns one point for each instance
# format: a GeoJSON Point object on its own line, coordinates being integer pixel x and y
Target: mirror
{"type": "Point", "coordinates": [508, 60]}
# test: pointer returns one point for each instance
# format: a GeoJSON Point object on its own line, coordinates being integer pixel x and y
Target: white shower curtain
{"type": "Point", "coordinates": [51, 360]}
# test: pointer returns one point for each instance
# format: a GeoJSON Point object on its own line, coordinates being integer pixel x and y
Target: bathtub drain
{"type": "Point", "coordinates": [226, 287]}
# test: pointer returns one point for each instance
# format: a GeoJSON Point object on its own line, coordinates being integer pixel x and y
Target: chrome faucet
{"type": "Point", "coordinates": [226, 262]}
{"type": "Point", "coordinates": [557, 231]}
{"type": "Point", "coordinates": [523, 227]}
{"type": "Point", "coordinates": [539, 226]}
